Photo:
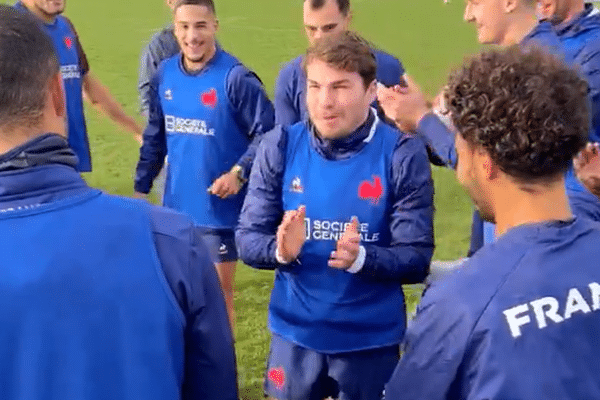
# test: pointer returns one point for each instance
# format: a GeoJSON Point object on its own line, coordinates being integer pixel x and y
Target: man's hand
{"type": "Point", "coordinates": [587, 167]}
{"type": "Point", "coordinates": [405, 105]}
{"type": "Point", "coordinates": [291, 235]}
{"type": "Point", "coordinates": [226, 185]}
{"type": "Point", "coordinates": [139, 195]}
{"type": "Point", "coordinates": [347, 247]}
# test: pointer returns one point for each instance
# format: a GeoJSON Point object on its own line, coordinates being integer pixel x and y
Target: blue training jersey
{"type": "Point", "coordinates": [73, 67]}
{"type": "Point", "coordinates": [204, 130]}
{"type": "Point", "coordinates": [520, 320]}
{"type": "Point", "coordinates": [128, 304]}
{"type": "Point", "coordinates": [290, 87]}
{"type": "Point", "coordinates": [383, 178]}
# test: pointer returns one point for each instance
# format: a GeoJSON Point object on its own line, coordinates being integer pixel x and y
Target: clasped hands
{"type": "Point", "coordinates": [291, 235]}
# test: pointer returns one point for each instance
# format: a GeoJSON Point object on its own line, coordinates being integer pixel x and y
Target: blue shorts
{"type": "Point", "coordinates": [220, 244]}
{"type": "Point", "coordinates": [296, 373]}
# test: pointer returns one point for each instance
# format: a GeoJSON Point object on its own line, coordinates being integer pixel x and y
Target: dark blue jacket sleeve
{"type": "Point", "coordinates": [162, 45]}
{"type": "Point", "coordinates": [253, 110]}
{"type": "Point", "coordinates": [433, 349]}
{"type": "Point", "coordinates": [439, 138]}
{"type": "Point", "coordinates": [154, 148]}
{"type": "Point", "coordinates": [210, 367]}
{"type": "Point", "coordinates": [411, 223]}
{"type": "Point", "coordinates": [263, 208]}
{"type": "Point", "coordinates": [589, 62]}
{"type": "Point", "coordinates": [285, 96]}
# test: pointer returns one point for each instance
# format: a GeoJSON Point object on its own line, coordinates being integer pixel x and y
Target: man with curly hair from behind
{"type": "Point", "coordinates": [521, 319]}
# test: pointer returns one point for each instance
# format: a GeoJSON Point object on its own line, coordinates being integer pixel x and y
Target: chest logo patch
{"type": "Point", "coordinates": [368, 190]}
{"type": "Point", "coordinates": [209, 98]}
{"type": "Point", "coordinates": [297, 185]}
{"type": "Point", "coordinates": [68, 42]}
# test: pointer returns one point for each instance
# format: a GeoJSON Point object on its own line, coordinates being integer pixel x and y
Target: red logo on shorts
{"type": "Point", "coordinates": [372, 191]}
{"type": "Point", "coordinates": [68, 42]}
{"type": "Point", "coordinates": [277, 376]}
{"type": "Point", "coordinates": [209, 98]}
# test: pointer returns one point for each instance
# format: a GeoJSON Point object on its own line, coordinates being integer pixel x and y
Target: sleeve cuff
{"type": "Point", "coordinates": [279, 258]}
{"type": "Point", "coordinates": [359, 262]}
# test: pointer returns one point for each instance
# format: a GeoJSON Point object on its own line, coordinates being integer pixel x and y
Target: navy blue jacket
{"type": "Point", "coordinates": [41, 173]}
{"type": "Point", "coordinates": [519, 320]}
{"type": "Point", "coordinates": [411, 222]}
{"type": "Point", "coordinates": [161, 46]}
{"type": "Point", "coordinates": [290, 88]}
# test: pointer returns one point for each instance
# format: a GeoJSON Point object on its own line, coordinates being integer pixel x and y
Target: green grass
{"type": "Point", "coordinates": [428, 36]}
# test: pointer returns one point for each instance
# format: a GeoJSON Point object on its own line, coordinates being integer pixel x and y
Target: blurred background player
{"type": "Point", "coordinates": [578, 26]}
{"type": "Point", "coordinates": [207, 113]}
{"type": "Point", "coordinates": [162, 45]}
{"type": "Point", "coordinates": [337, 307]}
{"type": "Point", "coordinates": [521, 318]}
{"type": "Point", "coordinates": [101, 297]}
{"type": "Point", "coordinates": [79, 81]}
{"type": "Point", "coordinates": [322, 18]}
{"type": "Point", "coordinates": [500, 22]}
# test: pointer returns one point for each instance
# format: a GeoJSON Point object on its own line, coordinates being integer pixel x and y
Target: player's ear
{"type": "Point", "coordinates": [489, 167]}
{"type": "Point", "coordinates": [510, 5]}
{"type": "Point", "coordinates": [545, 9]}
{"type": "Point", "coordinates": [371, 91]}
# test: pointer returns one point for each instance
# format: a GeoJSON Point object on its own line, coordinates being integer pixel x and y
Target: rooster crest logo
{"type": "Point", "coordinates": [371, 190]}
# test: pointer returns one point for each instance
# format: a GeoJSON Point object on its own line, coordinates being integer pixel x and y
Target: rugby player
{"type": "Point", "coordinates": [498, 22]}
{"type": "Point", "coordinates": [208, 114]}
{"type": "Point", "coordinates": [343, 232]}
{"type": "Point", "coordinates": [78, 79]}
{"type": "Point", "coordinates": [521, 318]}
{"type": "Point", "coordinates": [101, 297]}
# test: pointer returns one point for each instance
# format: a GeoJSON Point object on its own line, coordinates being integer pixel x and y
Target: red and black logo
{"type": "Point", "coordinates": [371, 190]}
{"type": "Point", "coordinates": [209, 98]}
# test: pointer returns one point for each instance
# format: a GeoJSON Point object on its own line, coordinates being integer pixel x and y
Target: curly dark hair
{"type": "Point", "coordinates": [525, 107]}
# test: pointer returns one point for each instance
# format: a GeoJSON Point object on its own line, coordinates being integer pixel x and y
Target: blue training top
{"type": "Point", "coordinates": [377, 174]}
{"type": "Point", "coordinates": [520, 320]}
{"type": "Point", "coordinates": [103, 297]}
{"type": "Point", "coordinates": [73, 67]}
{"type": "Point", "coordinates": [206, 122]}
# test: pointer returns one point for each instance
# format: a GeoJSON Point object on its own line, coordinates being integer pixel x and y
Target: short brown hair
{"type": "Point", "coordinates": [346, 51]}
{"type": "Point", "coordinates": [206, 3]}
{"type": "Point", "coordinates": [343, 5]}
{"type": "Point", "coordinates": [525, 107]}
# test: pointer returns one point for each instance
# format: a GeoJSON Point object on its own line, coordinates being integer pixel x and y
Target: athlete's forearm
{"type": "Point", "coordinates": [99, 96]}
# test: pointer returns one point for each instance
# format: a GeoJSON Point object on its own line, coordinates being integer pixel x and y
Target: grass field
{"type": "Point", "coordinates": [427, 35]}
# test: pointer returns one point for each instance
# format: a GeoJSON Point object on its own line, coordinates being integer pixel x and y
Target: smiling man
{"type": "Point", "coordinates": [341, 206]}
{"type": "Point", "coordinates": [79, 81]}
{"type": "Point", "coordinates": [207, 113]}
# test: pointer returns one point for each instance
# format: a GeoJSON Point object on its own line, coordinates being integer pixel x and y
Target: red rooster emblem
{"type": "Point", "coordinates": [209, 98]}
{"type": "Point", "coordinates": [371, 191]}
